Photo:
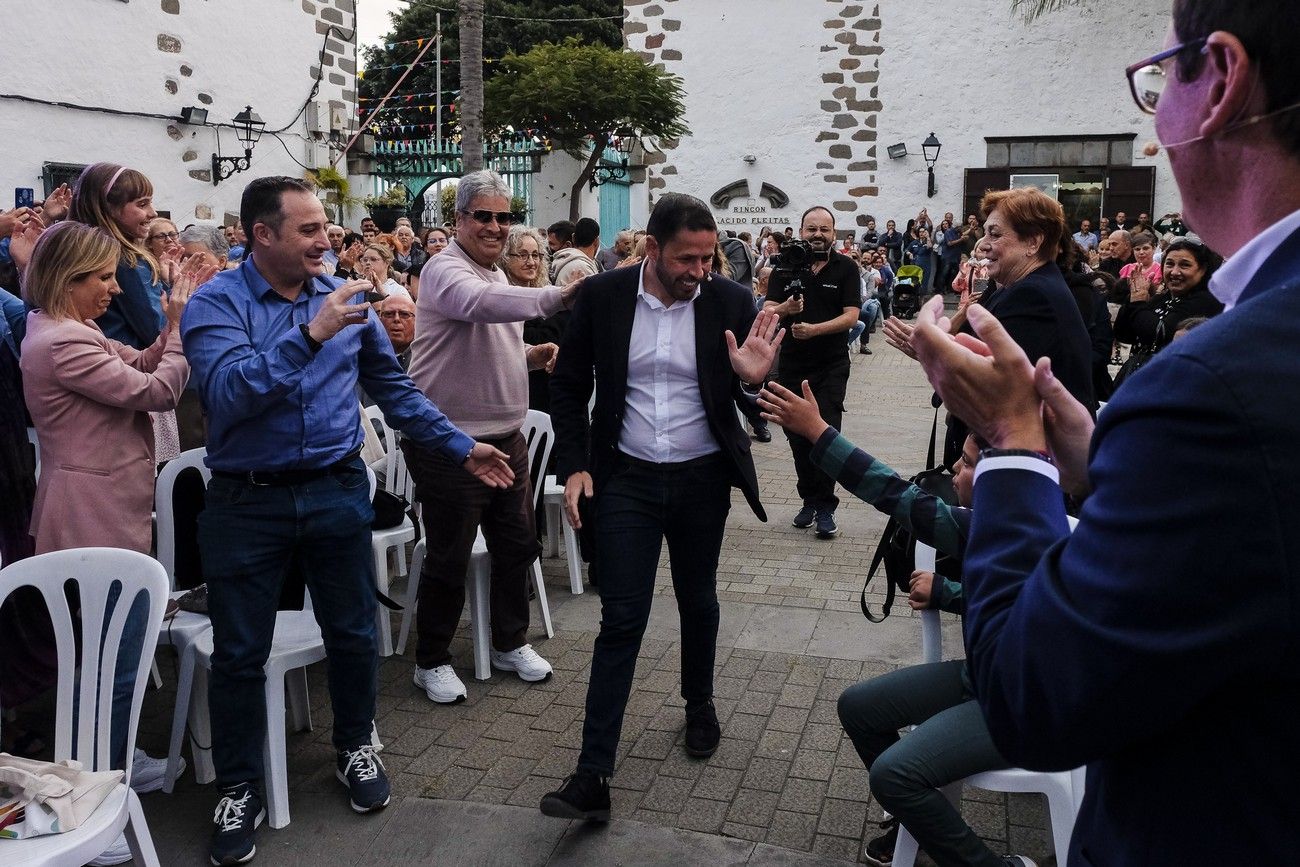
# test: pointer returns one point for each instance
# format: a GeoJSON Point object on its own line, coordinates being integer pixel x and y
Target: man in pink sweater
{"type": "Point", "coordinates": [470, 357]}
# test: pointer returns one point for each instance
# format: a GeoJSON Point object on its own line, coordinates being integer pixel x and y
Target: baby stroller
{"type": "Point", "coordinates": [907, 291]}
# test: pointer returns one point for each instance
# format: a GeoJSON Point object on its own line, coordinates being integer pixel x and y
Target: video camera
{"type": "Point", "coordinates": [797, 255]}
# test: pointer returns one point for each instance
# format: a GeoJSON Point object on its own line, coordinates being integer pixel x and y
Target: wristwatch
{"type": "Point", "coordinates": [312, 343]}
{"type": "Point", "coordinates": [1016, 453]}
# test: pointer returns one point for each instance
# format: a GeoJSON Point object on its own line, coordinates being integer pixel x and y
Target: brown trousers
{"type": "Point", "coordinates": [455, 504]}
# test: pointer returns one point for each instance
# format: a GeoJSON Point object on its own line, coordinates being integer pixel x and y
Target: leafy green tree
{"type": "Point", "coordinates": [508, 25]}
{"type": "Point", "coordinates": [579, 95]}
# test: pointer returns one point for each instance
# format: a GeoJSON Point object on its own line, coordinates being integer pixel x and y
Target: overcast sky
{"type": "Point", "coordinates": [372, 19]}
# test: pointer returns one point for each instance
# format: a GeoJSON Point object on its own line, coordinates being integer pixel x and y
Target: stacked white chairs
{"type": "Point", "coordinates": [1064, 789]}
{"type": "Point", "coordinates": [537, 430]}
{"type": "Point", "coordinates": [90, 676]}
{"type": "Point", "coordinates": [397, 481]}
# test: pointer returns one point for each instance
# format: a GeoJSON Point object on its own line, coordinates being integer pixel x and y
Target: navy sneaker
{"type": "Point", "coordinates": [235, 822]}
{"type": "Point", "coordinates": [584, 795]}
{"type": "Point", "coordinates": [363, 773]}
{"type": "Point", "coordinates": [826, 527]}
{"type": "Point", "coordinates": [804, 519]}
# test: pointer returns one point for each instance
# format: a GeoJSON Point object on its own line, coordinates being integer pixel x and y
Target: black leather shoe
{"type": "Point", "coordinates": [763, 434]}
{"type": "Point", "coordinates": [863, 349]}
{"type": "Point", "coordinates": [702, 731]}
{"type": "Point", "coordinates": [584, 795]}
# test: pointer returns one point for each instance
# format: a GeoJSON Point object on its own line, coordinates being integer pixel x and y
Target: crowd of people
{"type": "Point", "coordinates": [1153, 643]}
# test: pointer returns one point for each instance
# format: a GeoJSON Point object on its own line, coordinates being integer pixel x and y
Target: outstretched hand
{"type": "Point", "coordinates": [898, 334]}
{"type": "Point", "coordinates": [987, 380]}
{"type": "Point", "coordinates": [798, 415]}
{"type": "Point", "coordinates": [754, 359]}
{"type": "Point", "coordinates": [490, 465]}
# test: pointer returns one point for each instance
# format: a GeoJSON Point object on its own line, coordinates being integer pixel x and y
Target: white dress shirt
{"type": "Point", "coordinates": [1235, 274]}
{"type": "Point", "coordinates": [664, 419]}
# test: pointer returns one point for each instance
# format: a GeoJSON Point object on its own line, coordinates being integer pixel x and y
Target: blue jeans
{"type": "Point", "coordinates": [250, 536]}
{"type": "Point", "coordinates": [638, 507]}
{"type": "Point", "coordinates": [128, 661]}
{"type": "Point", "coordinates": [950, 742]}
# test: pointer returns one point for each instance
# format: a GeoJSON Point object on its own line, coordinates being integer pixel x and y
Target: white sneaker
{"type": "Point", "coordinates": [440, 684]}
{"type": "Point", "coordinates": [524, 662]}
{"type": "Point", "coordinates": [148, 773]}
{"type": "Point", "coordinates": [117, 853]}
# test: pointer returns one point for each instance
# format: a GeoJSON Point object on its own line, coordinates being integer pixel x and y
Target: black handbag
{"type": "Point", "coordinates": [897, 548]}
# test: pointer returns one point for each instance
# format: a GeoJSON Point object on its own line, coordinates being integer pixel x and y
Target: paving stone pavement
{"type": "Point", "coordinates": [791, 640]}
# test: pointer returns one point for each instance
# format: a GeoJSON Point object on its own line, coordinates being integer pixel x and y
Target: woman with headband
{"type": "Point", "coordinates": [119, 200]}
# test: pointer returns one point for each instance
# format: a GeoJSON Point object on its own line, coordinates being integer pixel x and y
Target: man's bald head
{"type": "Point", "coordinates": [1122, 244]}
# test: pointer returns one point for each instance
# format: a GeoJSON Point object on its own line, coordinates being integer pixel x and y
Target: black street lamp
{"type": "Point", "coordinates": [930, 148]}
{"type": "Point", "coordinates": [623, 141]}
{"type": "Point", "coordinates": [248, 129]}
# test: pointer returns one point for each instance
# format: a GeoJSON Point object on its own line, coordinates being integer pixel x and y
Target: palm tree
{"type": "Point", "coordinates": [471, 83]}
{"type": "Point", "coordinates": [1033, 9]}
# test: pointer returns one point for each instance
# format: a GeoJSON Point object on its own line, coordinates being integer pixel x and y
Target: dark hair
{"type": "Point", "coordinates": [1143, 239]}
{"type": "Point", "coordinates": [805, 214]}
{"type": "Point", "coordinates": [261, 201]}
{"type": "Point", "coordinates": [1261, 26]}
{"type": "Point", "coordinates": [1191, 322]}
{"type": "Point", "coordinates": [562, 230]}
{"type": "Point", "coordinates": [1207, 259]}
{"type": "Point", "coordinates": [675, 212]}
{"type": "Point", "coordinates": [349, 238]}
{"type": "Point", "coordinates": [585, 232]}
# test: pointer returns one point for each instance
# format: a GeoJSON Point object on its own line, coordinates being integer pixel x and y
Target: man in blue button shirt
{"type": "Point", "coordinates": [277, 350]}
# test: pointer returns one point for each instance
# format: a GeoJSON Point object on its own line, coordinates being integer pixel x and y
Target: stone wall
{"type": "Point", "coordinates": [805, 95]}
{"type": "Point", "coordinates": [154, 57]}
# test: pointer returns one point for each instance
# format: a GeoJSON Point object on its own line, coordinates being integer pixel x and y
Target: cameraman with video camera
{"type": "Point", "coordinates": [817, 294]}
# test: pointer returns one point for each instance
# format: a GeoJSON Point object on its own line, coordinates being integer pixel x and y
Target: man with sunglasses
{"type": "Point", "coordinates": [469, 355]}
{"type": "Point", "coordinates": [1157, 644]}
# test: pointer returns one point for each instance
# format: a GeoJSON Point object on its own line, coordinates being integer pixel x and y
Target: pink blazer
{"type": "Point", "coordinates": [90, 399]}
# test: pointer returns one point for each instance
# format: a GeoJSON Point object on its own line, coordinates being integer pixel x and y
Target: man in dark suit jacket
{"type": "Point", "coordinates": [1158, 644]}
{"type": "Point", "coordinates": [662, 452]}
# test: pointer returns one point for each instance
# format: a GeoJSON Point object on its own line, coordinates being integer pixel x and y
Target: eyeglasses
{"type": "Point", "coordinates": [531, 257]}
{"type": "Point", "coordinates": [503, 218]}
{"type": "Point", "coordinates": [1147, 78]}
{"type": "Point", "coordinates": [170, 236]}
{"type": "Point", "coordinates": [397, 314]}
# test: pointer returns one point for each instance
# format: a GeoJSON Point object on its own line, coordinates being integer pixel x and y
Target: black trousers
{"type": "Point", "coordinates": [638, 507]}
{"type": "Point", "coordinates": [829, 384]}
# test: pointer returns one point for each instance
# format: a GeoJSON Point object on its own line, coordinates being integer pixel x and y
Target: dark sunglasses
{"type": "Point", "coordinates": [503, 218]}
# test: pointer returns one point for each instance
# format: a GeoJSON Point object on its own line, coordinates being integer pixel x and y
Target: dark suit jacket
{"type": "Point", "coordinates": [596, 341]}
{"type": "Point", "coordinates": [1160, 644]}
{"type": "Point", "coordinates": [1040, 314]}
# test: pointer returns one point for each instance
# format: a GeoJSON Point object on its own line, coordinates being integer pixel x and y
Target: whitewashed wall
{"type": "Point", "coordinates": [964, 69]}
{"type": "Point", "coordinates": [157, 56]}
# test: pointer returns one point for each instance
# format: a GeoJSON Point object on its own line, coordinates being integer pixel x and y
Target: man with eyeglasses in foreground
{"type": "Point", "coordinates": [470, 356]}
{"type": "Point", "coordinates": [1157, 644]}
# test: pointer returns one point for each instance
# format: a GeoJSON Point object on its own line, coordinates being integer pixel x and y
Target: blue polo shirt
{"type": "Point", "coordinates": [272, 403]}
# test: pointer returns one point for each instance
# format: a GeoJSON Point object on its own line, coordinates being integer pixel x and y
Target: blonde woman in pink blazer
{"type": "Point", "coordinates": [90, 399]}
{"type": "Point", "coordinates": [90, 396]}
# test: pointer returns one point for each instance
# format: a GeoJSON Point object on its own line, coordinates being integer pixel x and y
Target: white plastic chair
{"type": "Point", "coordinates": [296, 644]}
{"type": "Point", "coordinates": [1064, 789]}
{"type": "Point", "coordinates": [183, 627]}
{"type": "Point", "coordinates": [537, 430]}
{"type": "Point", "coordinates": [397, 481]}
{"type": "Point", "coordinates": [93, 571]}
{"type": "Point", "coordinates": [556, 525]}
